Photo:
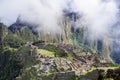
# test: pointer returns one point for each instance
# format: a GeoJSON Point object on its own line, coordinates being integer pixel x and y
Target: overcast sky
{"type": "Point", "coordinates": [98, 16]}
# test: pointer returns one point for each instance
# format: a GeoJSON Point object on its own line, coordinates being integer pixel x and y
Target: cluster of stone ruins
{"type": "Point", "coordinates": [85, 64]}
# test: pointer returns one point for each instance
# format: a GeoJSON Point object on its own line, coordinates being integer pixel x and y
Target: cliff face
{"type": "Point", "coordinates": [3, 33]}
{"type": "Point", "coordinates": [23, 31]}
{"type": "Point", "coordinates": [15, 37]}
{"type": "Point", "coordinates": [79, 36]}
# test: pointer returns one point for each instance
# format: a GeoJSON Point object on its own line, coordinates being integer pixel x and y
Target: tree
{"type": "Point", "coordinates": [10, 66]}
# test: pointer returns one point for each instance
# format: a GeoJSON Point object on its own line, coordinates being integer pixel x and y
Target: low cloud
{"type": "Point", "coordinates": [46, 14]}
{"type": "Point", "coordinates": [98, 16]}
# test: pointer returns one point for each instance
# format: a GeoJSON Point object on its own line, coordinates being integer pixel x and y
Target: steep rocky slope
{"type": "Point", "coordinates": [71, 34]}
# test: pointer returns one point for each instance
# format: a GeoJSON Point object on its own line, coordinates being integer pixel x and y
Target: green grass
{"type": "Point", "coordinates": [53, 52]}
{"type": "Point", "coordinates": [69, 55]}
{"type": "Point", "coordinates": [13, 49]}
{"type": "Point", "coordinates": [46, 52]}
{"type": "Point", "coordinates": [58, 52]}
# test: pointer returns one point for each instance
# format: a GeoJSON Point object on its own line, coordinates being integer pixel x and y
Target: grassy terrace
{"type": "Point", "coordinates": [101, 68]}
{"type": "Point", "coordinates": [13, 49]}
{"type": "Point", "coordinates": [53, 51]}
{"type": "Point", "coordinates": [46, 52]}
